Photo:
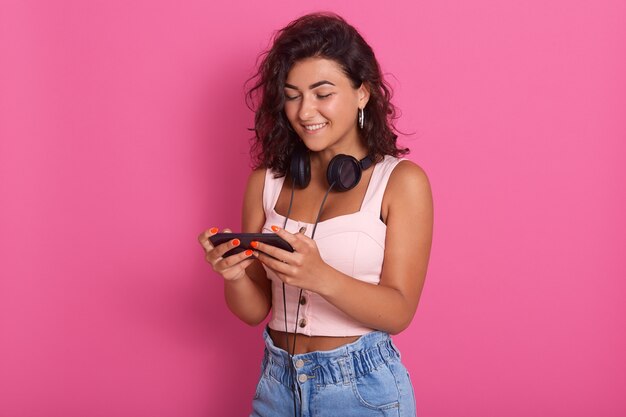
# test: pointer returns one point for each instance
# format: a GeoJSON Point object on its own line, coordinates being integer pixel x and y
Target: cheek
{"type": "Point", "coordinates": [339, 111]}
{"type": "Point", "coordinates": [332, 109]}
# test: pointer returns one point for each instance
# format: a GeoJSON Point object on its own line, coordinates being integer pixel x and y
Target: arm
{"type": "Point", "coordinates": [246, 289]}
{"type": "Point", "coordinates": [250, 297]}
{"type": "Point", "coordinates": [390, 305]}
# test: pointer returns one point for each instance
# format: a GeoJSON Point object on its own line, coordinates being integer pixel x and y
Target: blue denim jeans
{"type": "Point", "coordinates": [364, 378]}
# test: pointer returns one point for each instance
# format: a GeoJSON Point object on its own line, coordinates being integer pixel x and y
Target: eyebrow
{"type": "Point", "coordinates": [312, 86]}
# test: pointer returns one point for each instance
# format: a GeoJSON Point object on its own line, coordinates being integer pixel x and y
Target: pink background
{"type": "Point", "coordinates": [123, 135]}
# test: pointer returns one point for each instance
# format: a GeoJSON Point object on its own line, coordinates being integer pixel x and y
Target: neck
{"type": "Point", "coordinates": [322, 158]}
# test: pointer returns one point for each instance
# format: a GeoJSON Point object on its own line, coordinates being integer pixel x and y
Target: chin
{"type": "Point", "coordinates": [315, 146]}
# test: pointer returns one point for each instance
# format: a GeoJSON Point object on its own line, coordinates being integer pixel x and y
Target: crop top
{"type": "Point", "coordinates": [354, 244]}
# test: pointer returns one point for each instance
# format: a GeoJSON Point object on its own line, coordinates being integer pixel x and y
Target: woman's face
{"type": "Point", "coordinates": [322, 105]}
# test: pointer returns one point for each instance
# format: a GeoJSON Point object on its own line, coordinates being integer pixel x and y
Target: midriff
{"type": "Point", "coordinates": [306, 344]}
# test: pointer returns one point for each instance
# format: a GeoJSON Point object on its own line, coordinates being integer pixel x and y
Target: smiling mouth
{"type": "Point", "coordinates": [313, 128]}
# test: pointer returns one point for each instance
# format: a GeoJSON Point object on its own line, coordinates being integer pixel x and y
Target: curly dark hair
{"type": "Point", "coordinates": [325, 35]}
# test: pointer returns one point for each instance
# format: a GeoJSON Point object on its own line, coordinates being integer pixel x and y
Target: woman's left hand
{"type": "Point", "coordinates": [302, 268]}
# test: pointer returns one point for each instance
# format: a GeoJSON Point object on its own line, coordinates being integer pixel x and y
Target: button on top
{"type": "Point", "coordinates": [302, 323]}
{"type": "Point", "coordinates": [299, 363]}
{"type": "Point", "coordinates": [302, 300]}
{"type": "Point", "coordinates": [302, 378]}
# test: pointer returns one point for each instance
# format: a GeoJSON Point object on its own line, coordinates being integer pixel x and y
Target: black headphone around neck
{"type": "Point", "coordinates": [344, 171]}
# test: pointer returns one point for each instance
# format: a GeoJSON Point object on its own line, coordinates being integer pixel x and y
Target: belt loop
{"type": "Point", "coordinates": [394, 349]}
{"type": "Point", "coordinates": [383, 348]}
{"type": "Point", "coordinates": [345, 373]}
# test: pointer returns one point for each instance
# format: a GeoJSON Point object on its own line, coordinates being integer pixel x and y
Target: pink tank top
{"type": "Point", "coordinates": [352, 243]}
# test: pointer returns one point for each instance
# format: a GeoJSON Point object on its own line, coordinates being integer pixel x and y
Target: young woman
{"type": "Point", "coordinates": [360, 250]}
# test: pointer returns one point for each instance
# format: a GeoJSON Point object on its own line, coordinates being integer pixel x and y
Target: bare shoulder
{"type": "Point", "coordinates": [253, 215]}
{"type": "Point", "coordinates": [408, 171]}
{"type": "Point", "coordinates": [408, 183]}
{"type": "Point", "coordinates": [254, 188]}
{"type": "Point", "coordinates": [256, 179]}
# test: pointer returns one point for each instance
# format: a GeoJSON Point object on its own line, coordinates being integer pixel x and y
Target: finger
{"type": "Point", "coordinates": [292, 239]}
{"type": "Point", "coordinates": [236, 271]}
{"type": "Point", "coordinates": [274, 264]}
{"type": "Point", "coordinates": [214, 255]}
{"type": "Point", "coordinates": [233, 260]}
{"type": "Point", "coordinates": [203, 238]}
{"type": "Point", "coordinates": [272, 250]}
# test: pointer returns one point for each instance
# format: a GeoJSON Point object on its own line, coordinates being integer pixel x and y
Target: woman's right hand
{"type": "Point", "coordinates": [230, 268]}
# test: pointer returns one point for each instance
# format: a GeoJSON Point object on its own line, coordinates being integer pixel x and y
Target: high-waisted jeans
{"type": "Point", "coordinates": [363, 378]}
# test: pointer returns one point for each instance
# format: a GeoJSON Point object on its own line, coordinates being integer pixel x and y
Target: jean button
{"type": "Point", "coordinates": [299, 363]}
{"type": "Point", "coordinates": [302, 378]}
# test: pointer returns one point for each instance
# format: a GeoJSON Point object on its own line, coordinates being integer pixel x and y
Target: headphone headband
{"type": "Point", "coordinates": [344, 171]}
{"type": "Point", "coordinates": [366, 163]}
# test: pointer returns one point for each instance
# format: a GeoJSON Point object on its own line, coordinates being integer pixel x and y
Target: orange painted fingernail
{"type": "Point", "coordinates": [236, 242]}
{"type": "Point", "coordinates": [248, 252]}
{"type": "Point", "coordinates": [254, 244]}
{"type": "Point", "coordinates": [275, 229]}
{"type": "Point", "coordinates": [213, 230]}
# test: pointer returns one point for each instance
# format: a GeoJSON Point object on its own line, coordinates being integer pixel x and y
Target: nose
{"type": "Point", "coordinates": [307, 109]}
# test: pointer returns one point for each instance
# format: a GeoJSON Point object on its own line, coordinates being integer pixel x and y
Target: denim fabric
{"type": "Point", "coordinates": [364, 378]}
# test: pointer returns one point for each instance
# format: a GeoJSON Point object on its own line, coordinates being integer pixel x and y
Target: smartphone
{"type": "Point", "coordinates": [246, 238]}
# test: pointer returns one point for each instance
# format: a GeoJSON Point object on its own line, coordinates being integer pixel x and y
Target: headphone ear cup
{"type": "Point", "coordinates": [300, 168]}
{"type": "Point", "coordinates": [344, 171]}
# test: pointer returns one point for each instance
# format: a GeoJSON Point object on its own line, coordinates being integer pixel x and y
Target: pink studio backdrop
{"type": "Point", "coordinates": [123, 134]}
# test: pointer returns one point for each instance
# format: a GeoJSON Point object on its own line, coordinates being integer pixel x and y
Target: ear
{"type": "Point", "coordinates": [364, 94]}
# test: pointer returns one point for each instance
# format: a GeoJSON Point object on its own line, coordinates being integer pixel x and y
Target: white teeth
{"type": "Point", "coordinates": [315, 127]}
